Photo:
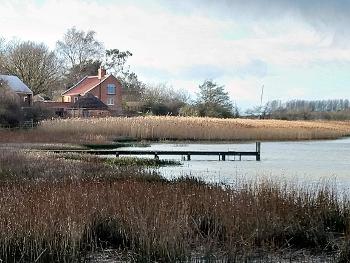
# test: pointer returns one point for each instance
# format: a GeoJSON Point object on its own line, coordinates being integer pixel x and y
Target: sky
{"type": "Point", "coordinates": [296, 49]}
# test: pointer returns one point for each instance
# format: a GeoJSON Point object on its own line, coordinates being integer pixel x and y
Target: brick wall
{"type": "Point", "coordinates": [103, 94]}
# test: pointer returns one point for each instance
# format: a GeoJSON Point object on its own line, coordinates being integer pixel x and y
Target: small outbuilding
{"type": "Point", "coordinates": [18, 87]}
{"type": "Point", "coordinates": [89, 106]}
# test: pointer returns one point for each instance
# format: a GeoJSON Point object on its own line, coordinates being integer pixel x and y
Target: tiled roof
{"type": "Point", "coordinates": [16, 84]}
{"type": "Point", "coordinates": [89, 101]}
{"type": "Point", "coordinates": [85, 85]}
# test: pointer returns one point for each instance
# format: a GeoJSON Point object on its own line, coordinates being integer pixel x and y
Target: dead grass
{"type": "Point", "coordinates": [177, 128]}
{"type": "Point", "coordinates": [56, 211]}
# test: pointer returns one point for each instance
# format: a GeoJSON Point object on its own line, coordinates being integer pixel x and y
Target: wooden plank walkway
{"type": "Point", "coordinates": [156, 153]}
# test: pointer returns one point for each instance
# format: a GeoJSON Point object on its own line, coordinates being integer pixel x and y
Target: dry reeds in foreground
{"type": "Point", "coordinates": [177, 128]}
{"type": "Point", "coordinates": [46, 220]}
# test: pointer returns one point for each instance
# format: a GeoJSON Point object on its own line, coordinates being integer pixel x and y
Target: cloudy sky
{"type": "Point", "coordinates": [295, 48]}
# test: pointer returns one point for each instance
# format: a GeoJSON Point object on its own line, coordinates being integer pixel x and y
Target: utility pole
{"type": "Point", "coordinates": [261, 100]}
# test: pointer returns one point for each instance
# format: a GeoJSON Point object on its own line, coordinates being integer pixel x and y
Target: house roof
{"type": "Point", "coordinates": [15, 84]}
{"type": "Point", "coordinates": [89, 101]}
{"type": "Point", "coordinates": [85, 85]}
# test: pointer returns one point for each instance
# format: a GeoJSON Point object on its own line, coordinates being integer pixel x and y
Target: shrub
{"type": "Point", "coordinates": [10, 110]}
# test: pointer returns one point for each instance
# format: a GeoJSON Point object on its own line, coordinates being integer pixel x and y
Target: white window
{"type": "Point", "coordinates": [111, 89]}
{"type": "Point", "coordinates": [110, 101]}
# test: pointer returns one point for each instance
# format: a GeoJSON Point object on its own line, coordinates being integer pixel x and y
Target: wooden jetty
{"type": "Point", "coordinates": [156, 153]}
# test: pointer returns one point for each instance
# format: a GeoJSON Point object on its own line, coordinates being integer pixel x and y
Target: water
{"type": "Point", "coordinates": [302, 162]}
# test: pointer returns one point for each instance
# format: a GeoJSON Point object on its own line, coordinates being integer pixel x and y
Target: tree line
{"type": "Point", "coordinates": [332, 109]}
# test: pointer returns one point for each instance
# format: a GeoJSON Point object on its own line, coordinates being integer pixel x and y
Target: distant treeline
{"type": "Point", "coordinates": [336, 109]}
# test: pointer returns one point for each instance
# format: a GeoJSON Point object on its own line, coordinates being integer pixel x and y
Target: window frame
{"type": "Point", "coordinates": [110, 102]}
{"type": "Point", "coordinates": [114, 89]}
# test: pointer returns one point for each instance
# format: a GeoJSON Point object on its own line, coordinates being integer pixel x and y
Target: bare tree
{"type": "Point", "coordinates": [82, 54]}
{"type": "Point", "coordinates": [2, 54]}
{"type": "Point", "coordinates": [34, 64]}
{"type": "Point", "coordinates": [79, 47]}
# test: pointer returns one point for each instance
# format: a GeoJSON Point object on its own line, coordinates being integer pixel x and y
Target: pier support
{"type": "Point", "coordinates": [223, 157]}
{"type": "Point", "coordinates": [117, 154]}
{"type": "Point", "coordinates": [258, 145]}
{"type": "Point", "coordinates": [188, 157]}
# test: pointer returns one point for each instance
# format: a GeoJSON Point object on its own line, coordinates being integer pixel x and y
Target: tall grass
{"type": "Point", "coordinates": [43, 219]}
{"type": "Point", "coordinates": [178, 128]}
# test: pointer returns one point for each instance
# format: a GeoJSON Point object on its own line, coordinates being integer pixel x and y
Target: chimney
{"type": "Point", "coordinates": [101, 72]}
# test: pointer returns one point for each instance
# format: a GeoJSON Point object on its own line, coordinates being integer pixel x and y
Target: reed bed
{"type": "Point", "coordinates": [43, 219]}
{"type": "Point", "coordinates": [177, 128]}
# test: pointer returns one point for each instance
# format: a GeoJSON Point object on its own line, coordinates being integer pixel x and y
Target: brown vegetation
{"type": "Point", "coordinates": [177, 128]}
{"type": "Point", "coordinates": [54, 209]}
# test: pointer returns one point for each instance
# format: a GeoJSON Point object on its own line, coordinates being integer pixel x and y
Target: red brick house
{"type": "Point", "coordinates": [105, 87]}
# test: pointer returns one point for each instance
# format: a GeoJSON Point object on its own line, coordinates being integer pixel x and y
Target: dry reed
{"type": "Point", "coordinates": [177, 128]}
{"type": "Point", "coordinates": [43, 219]}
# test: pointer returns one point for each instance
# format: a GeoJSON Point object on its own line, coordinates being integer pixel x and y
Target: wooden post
{"type": "Point", "coordinates": [223, 157]}
{"type": "Point", "coordinates": [240, 157]}
{"type": "Point", "coordinates": [188, 157]}
{"type": "Point", "coordinates": [156, 156]}
{"type": "Point", "coordinates": [258, 146]}
{"type": "Point", "coordinates": [117, 154]}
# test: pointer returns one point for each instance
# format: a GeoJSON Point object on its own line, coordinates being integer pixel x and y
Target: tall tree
{"type": "Point", "coordinates": [79, 47]}
{"type": "Point", "coordinates": [2, 54]}
{"type": "Point", "coordinates": [213, 101]}
{"type": "Point", "coordinates": [82, 54]}
{"type": "Point", "coordinates": [33, 63]}
{"type": "Point", "coordinates": [133, 88]}
{"type": "Point", "coordinates": [115, 60]}
{"type": "Point", "coordinates": [78, 72]}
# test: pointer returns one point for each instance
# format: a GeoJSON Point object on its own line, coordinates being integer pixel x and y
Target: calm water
{"type": "Point", "coordinates": [300, 162]}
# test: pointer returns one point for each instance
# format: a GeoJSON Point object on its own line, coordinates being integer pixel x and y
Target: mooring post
{"type": "Point", "coordinates": [188, 157]}
{"type": "Point", "coordinates": [258, 145]}
{"type": "Point", "coordinates": [223, 157]}
{"type": "Point", "coordinates": [117, 154]}
{"type": "Point", "coordinates": [156, 156]}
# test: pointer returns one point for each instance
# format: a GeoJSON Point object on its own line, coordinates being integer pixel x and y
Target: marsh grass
{"type": "Point", "coordinates": [59, 210]}
{"type": "Point", "coordinates": [102, 130]}
{"type": "Point", "coordinates": [145, 162]}
{"type": "Point", "coordinates": [119, 161]}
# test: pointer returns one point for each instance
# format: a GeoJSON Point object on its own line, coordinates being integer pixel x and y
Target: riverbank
{"type": "Point", "coordinates": [55, 208]}
{"type": "Point", "coordinates": [102, 130]}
